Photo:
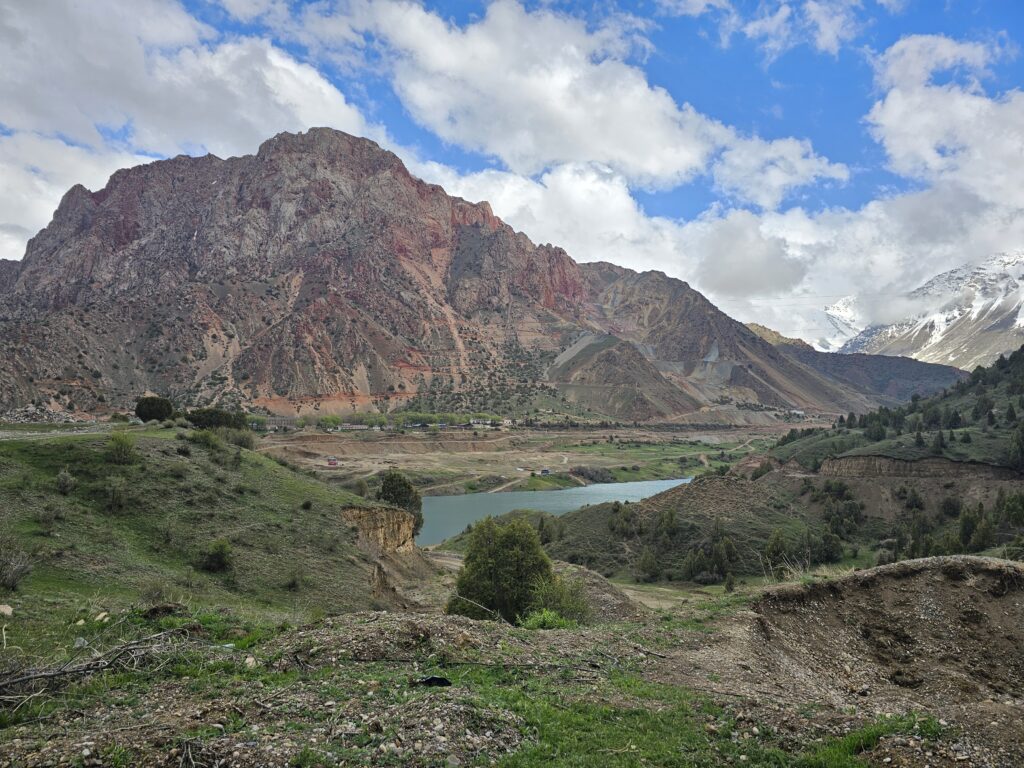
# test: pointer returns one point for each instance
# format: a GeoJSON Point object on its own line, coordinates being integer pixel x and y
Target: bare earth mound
{"type": "Point", "coordinates": [940, 636]}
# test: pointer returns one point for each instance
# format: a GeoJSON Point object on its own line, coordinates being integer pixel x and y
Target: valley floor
{"type": "Point", "coordinates": [449, 463]}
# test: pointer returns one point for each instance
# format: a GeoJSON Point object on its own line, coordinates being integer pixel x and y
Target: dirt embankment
{"type": "Point", "coordinates": [882, 466]}
{"type": "Point", "coordinates": [942, 637]}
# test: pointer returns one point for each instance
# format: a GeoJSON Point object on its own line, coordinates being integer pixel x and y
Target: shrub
{"type": "Point", "coordinates": [15, 563]}
{"type": "Point", "coordinates": [763, 469]}
{"type": "Point", "coordinates": [545, 618]}
{"type": "Point", "coordinates": [149, 408]}
{"type": "Point", "coordinates": [307, 504]}
{"type": "Point", "coordinates": [297, 579]}
{"type": "Point", "coordinates": [396, 489]}
{"type": "Point", "coordinates": [217, 558]}
{"type": "Point", "coordinates": [117, 493]}
{"type": "Point", "coordinates": [206, 438]}
{"type": "Point", "coordinates": [184, 450]}
{"type": "Point", "coordinates": [65, 482]}
{"type": "Point", "coordinates": [502, 565]}
{"type": "Point", "coordinates": [565, 596]}
{"type": "Point", "coordinates": [211, 418]}
{"type": "Point", "coordinates": [121, 448]}
{"type": "Point", "coordinates": [647, 569]}
{"type": "Point", "coordinates": [119, 418]}
{"type": "Point", "coordinates": [243, 438]}
{"type": "Point", "coordinates": [362, 488]}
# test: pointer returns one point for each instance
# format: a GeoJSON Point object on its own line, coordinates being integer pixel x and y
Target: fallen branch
{"type": "Point", "coordinates": [132, 649]}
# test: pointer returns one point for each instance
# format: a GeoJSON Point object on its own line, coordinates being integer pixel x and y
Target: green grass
{"type": "Point", "coordinates": [91, 557]}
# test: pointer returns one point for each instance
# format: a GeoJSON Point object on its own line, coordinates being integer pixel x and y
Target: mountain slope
{"type": "Point", "coordinates": [319, 275]}
{"type": "Point", "coordinates": [893, 380]}
{"type": "Point", "coordinates": [969, 316]}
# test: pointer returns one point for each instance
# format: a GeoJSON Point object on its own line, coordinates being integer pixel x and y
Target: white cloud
{"type": "Point", "coordinates": [950, 132]}
{"type": "Point", "coordinates": [764, 172]}
{"type": "Point", "coordinates": [775, 30]}
{"type": "Point", "coordinates": [832, 22]}
{"type": "Point", "coordinates": [538, 89]}
{"type": "Point", "coordinates": [826, 25]}
{"type": "Point", "coordinates": [692, 7]}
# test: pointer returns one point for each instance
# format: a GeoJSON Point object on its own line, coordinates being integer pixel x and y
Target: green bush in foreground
{"type": "Point", "coordinates": [502, 566]}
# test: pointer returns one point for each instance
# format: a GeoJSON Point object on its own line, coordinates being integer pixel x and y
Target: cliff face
{"type": "Point", "coordinates": [382, 530]}
{"type": "Point", "coordinates": [319, 275]}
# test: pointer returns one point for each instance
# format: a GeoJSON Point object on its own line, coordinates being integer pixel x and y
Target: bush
{"type": "Point", "coordinates": [65, 482]}
{"type": "Point", "coordinates": [361, 488]}
{"type": "Point", "coordinates": [396, 489]}
{"type": "Point", "coordinates": [545, 618]}
{"type": "Point", "coordinates": [217, 558]}
{"type": "Point", "coordinates": [647, 568]}
{"type": "Point", "coordinates": [566, 597]}
{"type": "Point", "coordinates": [121, 448]}
{"type": "Point", "coordinates": [184, 450]}
{"type": "Point", "coordinates": [502, 565]}
{"type": "Point", "coordinates": [206, 438]}
{"type": "Point", "coordinates": [15, 563]}
{"type": "Point", "coordinates": [763, 469]}
{"type": "Point", "coordinates": [243, 438]}
{"type": "Point", "coordinates": [117, 493]}
{"type": "Point", "coordinates": [150, 408]}
{"type": "Point", "coordinates": [211, 418]}
{"type": "Point", "coordinates": [307, 504]}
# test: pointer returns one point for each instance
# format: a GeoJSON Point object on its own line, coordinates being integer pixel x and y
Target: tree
{"type": "Point", "coordinates": [396, 489]}
{"type": "Point", "coordinates": [919, 439]}
{"type": "Point", "coordinates": [150, 408]}
{"type": "Point", "coordinates": [647, 568]}
{"type": "Point", "coordinates": [1011, 414]}
{"type": "Point", "coordinates": [1017, 448]}
{"type": "Point", "coordinates": [362, 488]}
{"type": "Point", "coordinates": [776, 552]}
{"type": "Point", "coordinates": [502, 566]}
{"type": "Point", "coordinates": [938, 444]}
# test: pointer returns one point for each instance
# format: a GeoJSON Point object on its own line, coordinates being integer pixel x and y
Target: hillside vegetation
{"type": "Point", "coordinates": [138, 517]}
{"type": "Point", "coordinates": [977, 420]}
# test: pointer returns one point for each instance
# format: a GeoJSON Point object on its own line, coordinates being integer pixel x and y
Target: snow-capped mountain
{"type": "Point", "coordinates": [844, 324]}
{"type": "Point", "coordinates": [969, 316]}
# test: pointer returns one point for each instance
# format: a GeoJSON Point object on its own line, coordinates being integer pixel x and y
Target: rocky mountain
{"type": "Point", "coordinates": [893, 380]}
{"type": "Point", "coordinates": [319, 275]}
{"type": "Point", "coordinates": [967, 317]}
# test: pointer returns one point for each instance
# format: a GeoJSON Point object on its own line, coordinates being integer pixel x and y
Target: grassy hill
{"type": "Point", "coordinates": [196, 520]}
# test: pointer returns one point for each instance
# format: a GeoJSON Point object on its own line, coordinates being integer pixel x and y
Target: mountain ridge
{"type": "Point", "coordinates": [319, 275]}
{"type": "Point", "coordinates": [969, 316]}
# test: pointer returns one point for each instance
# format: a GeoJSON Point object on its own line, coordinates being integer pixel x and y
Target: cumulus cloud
{"type": "Point", "coordinates": [826, 25]}
{"type": "Point", "coordinates": [949, 132]}
{"type": "Point", "coordinates": [764, 172]}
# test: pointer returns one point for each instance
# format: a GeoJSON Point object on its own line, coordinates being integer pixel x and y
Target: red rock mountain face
{"type": "Point", "coordinates": [320, 275]}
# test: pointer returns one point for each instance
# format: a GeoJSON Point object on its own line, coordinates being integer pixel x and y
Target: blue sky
{"type": "Point", "coordinates": [776, 154]}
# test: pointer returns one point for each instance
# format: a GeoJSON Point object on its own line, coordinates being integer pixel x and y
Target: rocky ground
{"type": "Point", "coordinates": [914, 664]}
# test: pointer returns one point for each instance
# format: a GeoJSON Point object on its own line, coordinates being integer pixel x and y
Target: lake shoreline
{"type": "Point", "coordinates": [446, 516]}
